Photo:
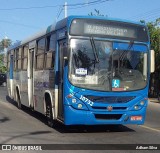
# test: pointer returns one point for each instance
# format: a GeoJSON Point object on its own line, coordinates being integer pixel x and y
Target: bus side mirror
{"type": "Point", "coordinates": [152, 61]}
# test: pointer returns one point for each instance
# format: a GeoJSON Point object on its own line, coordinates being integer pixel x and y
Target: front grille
{"type": "Point", "coordinates": [105, 108]}
{"type": "Point", "coordinates": [108, 116]}
{"type": "Point", "coordinates": [110, 99]}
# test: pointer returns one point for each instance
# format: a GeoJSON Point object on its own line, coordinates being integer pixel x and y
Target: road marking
{"type": "Point", "coordinates": [150, 128]}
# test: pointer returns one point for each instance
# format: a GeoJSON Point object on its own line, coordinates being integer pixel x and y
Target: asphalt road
{"type": "Point", "coordinates": [27, 127]}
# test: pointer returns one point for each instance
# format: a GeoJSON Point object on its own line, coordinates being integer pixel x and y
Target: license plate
{"type": "Point", "coordinates": [136, 118]}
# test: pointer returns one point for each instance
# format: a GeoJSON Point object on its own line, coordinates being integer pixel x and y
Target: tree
{"type": "Point", "coordinates": [97, 13]}
{"type": "Point", "coordinates": [154, 32]}
{"type": "Point", "coordinates": [3, 68]}
{"type": "Point", "coordinates": [3, 44]}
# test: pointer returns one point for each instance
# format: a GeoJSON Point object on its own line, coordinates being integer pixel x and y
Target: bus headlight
{"type": "Point", "coordinates": [74, 100]}
{"type": "Point", "coordinates": [142, 103]}
{"type": "Point", "coordinates": [136, 107]}
{"type": "Point", "coordinates": [79, 105]}
{"type": "Point", "coordinates": [139, 105]}
{"type": "Point", "coordinates": [76, 103]}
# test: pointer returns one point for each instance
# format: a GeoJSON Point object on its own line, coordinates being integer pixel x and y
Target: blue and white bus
{"type": "Point", "coordinates": [84, 70]}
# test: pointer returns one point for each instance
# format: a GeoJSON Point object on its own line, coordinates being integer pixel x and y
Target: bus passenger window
{"type": "Point", "coordinates": [40, 53]}
{"type": "Point", "coordinates": [50, 51]}
{"type": "Point", "coordinates": [50, 58]}
{"type": "Point", "coordinates": [51, 43]}
{"type": "Point", "coordinates": [25, 51]}
{"type": "Point", "coordinates": [41, 46]}
{"type": "Point", "coordinates": [24, 57]}
{"type": "Point", "coordinates": [39, 61]}
{"type": "Point", "coordinates": [19, 58]}
{"type": "Point", "coordinates": [15, 59]}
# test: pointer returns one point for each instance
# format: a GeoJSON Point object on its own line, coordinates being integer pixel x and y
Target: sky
{"type": "Point", "coordinates": [22, 18]}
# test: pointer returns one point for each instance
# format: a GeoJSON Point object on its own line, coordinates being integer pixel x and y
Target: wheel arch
{"type": "Point", "coordinates": [18, 90]}
{"type": "Point", "coordinates": [48, 98]}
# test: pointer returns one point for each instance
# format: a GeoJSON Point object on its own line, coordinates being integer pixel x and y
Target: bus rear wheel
{"type": "Point", "coordinates": [18, 100]}
{"type": "Point", "coordinates": [49, 114]}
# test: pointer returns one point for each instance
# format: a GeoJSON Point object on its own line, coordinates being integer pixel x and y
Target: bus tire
{"type": "Point", "coordinates": [49, 112]}
{"type": "Point", "coordinates": [18, 99]}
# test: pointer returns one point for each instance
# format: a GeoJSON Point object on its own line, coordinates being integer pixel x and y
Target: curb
{"type": "Point", "coordinates": [154, 100]}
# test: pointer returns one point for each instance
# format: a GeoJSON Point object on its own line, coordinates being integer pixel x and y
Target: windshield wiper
{"type": "Point", "coordinates": [130, 45]}
{"type": "Point", "coordinates": [94, 50]}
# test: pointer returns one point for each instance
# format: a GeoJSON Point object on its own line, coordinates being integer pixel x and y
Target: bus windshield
{"type": "Point", "coordinates": [108, 66]}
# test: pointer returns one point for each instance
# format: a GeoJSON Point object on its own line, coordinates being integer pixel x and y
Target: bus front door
{"type": "Point", "coordinates": [62, 49]}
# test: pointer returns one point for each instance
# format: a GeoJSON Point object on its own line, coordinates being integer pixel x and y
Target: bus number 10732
{"type": "Point", "coordinates": [86, 100]}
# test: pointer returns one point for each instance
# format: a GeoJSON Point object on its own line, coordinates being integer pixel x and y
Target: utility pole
{"type": "Point", "coordinates": [65, 9]}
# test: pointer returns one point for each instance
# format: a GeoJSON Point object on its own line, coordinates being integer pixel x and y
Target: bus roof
{"type": "Point", "coordinates": [65, 22]}
{"type": "Point", "coordinates": [105, 18]}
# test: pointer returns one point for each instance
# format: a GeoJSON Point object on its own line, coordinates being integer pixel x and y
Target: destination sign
{"type": "Point", "coordinates": [108, 30]}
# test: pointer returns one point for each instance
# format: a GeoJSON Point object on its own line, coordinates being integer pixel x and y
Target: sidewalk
{"type": "Point", "coordinates": [155, 100]}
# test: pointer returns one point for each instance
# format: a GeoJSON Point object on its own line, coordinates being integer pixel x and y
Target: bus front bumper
{"type": "Point", "coordinates": [81, 117]}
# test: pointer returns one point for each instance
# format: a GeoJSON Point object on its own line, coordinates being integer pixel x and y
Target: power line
{"type": "Point", "coordinates": [80, 5]}
{"type": "Point", "coordinates": [24, 25]}
{"type": "Point", "coordinates": [27, 8]}
{"type": "Point", "coordinates": [51, 6]}
{"type": "Point", "coordinates": [61, 8]}
{"type": "Point", "coordinates": [86, 4]}
{"type": "Point", "coordinates": [59, 11]}
{"type": "Point", "coordinates": [147, 15]}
